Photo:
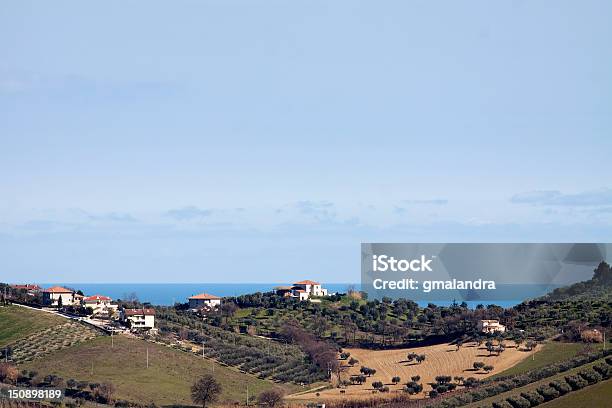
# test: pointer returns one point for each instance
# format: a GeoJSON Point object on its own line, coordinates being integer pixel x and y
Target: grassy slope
{"type": "Point", "coordinates": [551, 352]}
{"type": "Point", "coordinates": [17, 322]}
{"type": "Point", "coordinates": [167, 380]}
{"type": "Point", "coordinates": [598, 395]}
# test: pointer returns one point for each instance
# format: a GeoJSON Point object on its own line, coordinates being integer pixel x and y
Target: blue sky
{"type": "Point", "coordinates": [251, 141]}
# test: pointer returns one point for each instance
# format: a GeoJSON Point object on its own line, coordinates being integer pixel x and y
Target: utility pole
{"type": "Point", "coordinates": [147, 357]}
{"type": "Point", "coordinates": [247, 389]}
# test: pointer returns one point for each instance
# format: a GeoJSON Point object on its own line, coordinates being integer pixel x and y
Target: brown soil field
{"type": "Point", "coordinates": [441, 359]}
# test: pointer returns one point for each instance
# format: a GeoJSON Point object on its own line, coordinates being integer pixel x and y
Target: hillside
{"type": "Point", "coordinates": [600, 286]}
{"type": "Point", "coordinates": [167, 379]}
{"type": "Point", "coordinates": [48, 344]}
{"type": "Point", "coordinates": [17, 322]}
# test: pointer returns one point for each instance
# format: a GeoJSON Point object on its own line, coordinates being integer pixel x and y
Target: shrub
{"type": "Point", "coordinates": [548, 392]}
{"type": "Point", "coordinates": [576, 382]}
{"type": "Point", "coordinates": [442, 388]}
{"type": "Point", "coordinates": [443, 379]}
{"type": "Point", "coordinates": [501, 404]}
{"type": "Point", "coordinates": [433, 394]}
{"type": "Point", "coordinates": [604, 370]}
{"type": "Point", "coordinates": [533, 397]}
{"type": "Point", "coordinates": [470, 382]}
{"type": "Point", "coordinates": [518, 402]}
{"type": "Point", "coordinates": [590, 375]}
{"type": "Point", "coordinates": [413, 388]}
{"type": "Point", "coordinates": [561, 386]}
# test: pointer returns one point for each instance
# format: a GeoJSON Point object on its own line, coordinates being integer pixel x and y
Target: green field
{"type": "Point", "coordinates": [595, 396]}
{"type": "Point", "coordinates": [167, 380]}
{"type": "Point", "coordinates": [17, 322]}
{"type": "Point", "coordinates": [551, 352]}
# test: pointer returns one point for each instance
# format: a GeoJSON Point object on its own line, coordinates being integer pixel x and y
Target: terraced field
{"type": "Point", "coordinates": [17, 322]}
{"type": "Point", "coordinates": [52, 339]}
{"type": "Point", "coordinates": [442, 359]}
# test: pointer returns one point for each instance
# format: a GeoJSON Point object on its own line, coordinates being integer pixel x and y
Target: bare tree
{"type": "Point", "coordinates": [205, 390]}
{"type": "Point", "coordinates": [8, 373]}
{"type": "Point", "coordinates": [271, 398]}
{"type": "Point", "coordinates": [107, 390]}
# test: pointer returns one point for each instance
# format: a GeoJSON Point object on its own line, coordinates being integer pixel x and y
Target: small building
{"type": "Point", "coordinates": [302, 290]}
{"type": "Point", "coordinates": [138, 319]}
{"type": "Point", "coordinates": [311, 287]}
{"type": "Point", "coordinates": [204, 300]}
{"type": "Point", "coordinates": [52, 296]}
{"type": "Point", "coordinates": [31, 289]}
{"type": "Point", "coordinates": [28, 286]}
{"type": "Point", "coordinates": [490, 326]}
{"type": "Point", "coordinates": [101, 305]}
{"type": "Point", "coordinates": [300, 294]}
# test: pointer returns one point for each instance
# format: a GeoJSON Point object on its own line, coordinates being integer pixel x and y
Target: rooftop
{"type": "Point", "coordinates": [58, 289]}
{"type": "Point", "coordinates": [307, 282]}
{"type": "Point", "coordinates": [96, 298]}
{"type": "Point", "coordinates": [26, 286]}
{"type": "Point", "coordinates": [205, 296]}
{"type": "Point", "coordinates": [139, 312]}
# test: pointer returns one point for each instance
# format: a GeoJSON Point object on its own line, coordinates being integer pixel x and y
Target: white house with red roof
{"type": "Point", "coordinates": [204, 300]}
{"type": "Point", "coordinates": [101, 305]}
{"type": "Point", "coordinates": [311, 287]}
{"type": "Point", "coordinates": [302, 290]}
{"type": "Point", "coordinates": [51, 296]}
{"type": "Point", "coordinates": [138, 319]}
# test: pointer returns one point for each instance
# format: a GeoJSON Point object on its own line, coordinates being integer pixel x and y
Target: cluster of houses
{"type": "Point", "coordinates": [101, 306]}
{"type": "Point", "coordinates": [144, 318]}
{"type": "Point", "coordinates": [303, 290]}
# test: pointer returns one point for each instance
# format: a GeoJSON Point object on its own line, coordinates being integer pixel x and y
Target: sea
{"type": "Point", "coordinates": [167, 294]}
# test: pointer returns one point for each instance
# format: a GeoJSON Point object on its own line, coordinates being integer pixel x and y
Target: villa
{"type": "Point", "coordinates": [310, 287]}
{"type": "Point", "coordinates": [302, 290]}
{"type": "Point", "coordinates": [101, 305]}
{"type": "Point", "coordinates": [52, 296]}
{"type": "Point", "coordinates": [138, 319]}
{"type": "Point", "coordinates": [204, 300]}
{"type": "Point", "coordinates": [491, 326]}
